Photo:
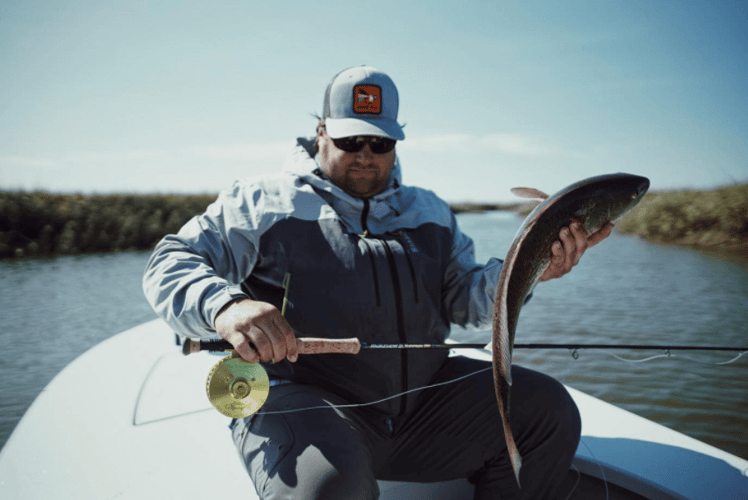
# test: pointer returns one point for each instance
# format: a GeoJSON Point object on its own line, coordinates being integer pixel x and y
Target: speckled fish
{"type": "Point", "coordinates": [592, 202]}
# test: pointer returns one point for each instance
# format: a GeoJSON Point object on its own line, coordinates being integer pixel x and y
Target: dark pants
{"type": "Point", "coordinates": [454, 433]}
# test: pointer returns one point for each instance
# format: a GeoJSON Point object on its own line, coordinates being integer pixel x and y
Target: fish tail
{"type": "Point", "coordinates": [514, 457]}
{"type": "Point", "coordinates": [502, 394]}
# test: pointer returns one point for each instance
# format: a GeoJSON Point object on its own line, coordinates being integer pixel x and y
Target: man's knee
{"type": "Point", "coordinates": [312, 456]}
{"type": "Point", "coordinates": [320, 479]}
{"type": "Point", "coordinates": [545, 404]}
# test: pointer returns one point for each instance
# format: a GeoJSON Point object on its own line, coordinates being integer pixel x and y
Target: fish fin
{"type": "Point", "coordinates": [532, 193]}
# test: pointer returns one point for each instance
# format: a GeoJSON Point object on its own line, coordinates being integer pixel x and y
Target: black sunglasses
{"type": "Point", "coordinates": [354, 144]}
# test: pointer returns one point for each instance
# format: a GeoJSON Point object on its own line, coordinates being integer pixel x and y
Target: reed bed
{"type": "Point", "coordinates": [39, 224]}
{"type": "Point", "coordinates": [714, 220]}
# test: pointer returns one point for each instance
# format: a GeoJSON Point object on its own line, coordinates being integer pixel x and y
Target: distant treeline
{"type": "Point", "coordinates": [42, 224]}
{"type": "Point", "coordinates": [36, 224]}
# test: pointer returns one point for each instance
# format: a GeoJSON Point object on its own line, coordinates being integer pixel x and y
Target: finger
{"type": "Point", "coordinates": [559, 256]}
{"type": "Point", "coordinates": [555, 264]}
{"type": "Point", "coordinates": [569, 248]}
{"type": "Point", "coordinates": [243, 347]}
{"type": "Point", "coordinates": [580, 240]}
{"type": "Point", "coordinates": [278, 337]}
{"type": "Point", "coordinates": [291, 346]}
{"type": "Point", "coordinates": [263, 344]}
{"type": "Point", "coordinates": [600, 235]}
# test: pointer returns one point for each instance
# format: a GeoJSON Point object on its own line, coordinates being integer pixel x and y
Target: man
{"type": "Point", "coordinates": [372, 259]}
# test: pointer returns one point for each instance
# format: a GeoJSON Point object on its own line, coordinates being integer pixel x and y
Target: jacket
{"type": "Point", "coordinates": [394, 268]}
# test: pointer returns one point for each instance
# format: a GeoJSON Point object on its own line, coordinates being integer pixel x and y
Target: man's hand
{"type": "Point", "coordinates": [248, 321]}
{"type": "Point", "coordinates": [573, 243]}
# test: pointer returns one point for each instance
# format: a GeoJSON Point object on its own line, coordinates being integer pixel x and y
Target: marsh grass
{"type": "Point", "coordinates": [715, 219]}
{"type": "Point", "coordinates": [38, 224]}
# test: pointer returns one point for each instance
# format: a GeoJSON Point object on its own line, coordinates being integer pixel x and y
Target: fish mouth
{"type": "Point", "coordinates": [644, 186]}
{"type": "Point", "coordinates": [641, 189]}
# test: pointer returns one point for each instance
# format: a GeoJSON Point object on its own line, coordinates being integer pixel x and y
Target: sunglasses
{"type": "Point", "coordinates": [354, 144]}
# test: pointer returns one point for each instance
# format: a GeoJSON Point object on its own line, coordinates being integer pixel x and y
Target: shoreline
{"type": "Point", "coordinates": [714, 221]}
{"type": "Point", "coordinates": [39, 224]}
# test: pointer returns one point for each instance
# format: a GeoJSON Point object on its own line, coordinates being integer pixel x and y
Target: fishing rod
{"type": "Point", "coordinates": [238, 389]}
{"type": "Point", "coordinates": [353, 346]}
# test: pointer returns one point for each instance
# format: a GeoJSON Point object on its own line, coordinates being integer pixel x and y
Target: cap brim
{"type": "Point", "coordinates": [347, 127]}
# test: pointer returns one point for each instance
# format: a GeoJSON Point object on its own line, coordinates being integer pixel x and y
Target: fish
{"type": "Point", "coordinates": [593, 202]}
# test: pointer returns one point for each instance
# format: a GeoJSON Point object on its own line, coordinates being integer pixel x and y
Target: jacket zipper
{"type": "Point", "coordinates": [399, 313]}
{"type": "Point", "coordinates": [374, 272]}
{"type": "Point", "coordinates": [364, 216]}
{"type": "Point", "coordinates": [400, 323]}
{"type": "Point", "coordinates": [365, 229]}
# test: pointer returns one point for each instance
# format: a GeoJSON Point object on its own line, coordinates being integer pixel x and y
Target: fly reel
{"type": "Point", "coordinates": [237, 388]}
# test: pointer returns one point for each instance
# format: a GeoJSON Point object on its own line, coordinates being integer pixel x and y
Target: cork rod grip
{"type": "Point", "coordinates": [309, 345]}
{"type": "Point", "coordinates": [306, 345]}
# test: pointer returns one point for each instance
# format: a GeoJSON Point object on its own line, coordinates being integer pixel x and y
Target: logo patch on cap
{"type": "Point", "coordinates": [367, 99]}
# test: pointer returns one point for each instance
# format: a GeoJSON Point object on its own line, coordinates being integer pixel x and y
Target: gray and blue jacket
{"type": "Point", "coordinates": [394, 268]}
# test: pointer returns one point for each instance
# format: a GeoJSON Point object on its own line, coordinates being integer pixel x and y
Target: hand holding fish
{"type": "Point", "coordinates": [573, 242]}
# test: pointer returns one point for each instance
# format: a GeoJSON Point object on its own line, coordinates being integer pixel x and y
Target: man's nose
{"type": "Point", "coordinates": [365, 155]}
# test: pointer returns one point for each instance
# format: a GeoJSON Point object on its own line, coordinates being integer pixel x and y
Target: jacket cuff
{"type": "Point", "coordinates": [219, 301]}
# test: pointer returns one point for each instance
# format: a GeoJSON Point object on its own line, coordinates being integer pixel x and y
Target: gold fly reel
{"type": "Point", "coordinates": [237, 388]}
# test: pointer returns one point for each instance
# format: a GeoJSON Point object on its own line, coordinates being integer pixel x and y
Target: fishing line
{"type": "Point", "coordinates": [602, 471]}
{"type": "Point", "coordinates": [574, 488]}
{"type": "Point", "coordinates": [662, 347]}
{"type": "Point", "coordinates": [635, 361]}
{"type": "Point", "coordinates": [463, 377]}
{"type": "Point", "coordinates": [576, 483]}
{"type": "Point", "coordinates": [226, 390]}
{"type": "Point", "coordinates": [575, 355]}
{"type": "Point", "coordinates": [358, 405]}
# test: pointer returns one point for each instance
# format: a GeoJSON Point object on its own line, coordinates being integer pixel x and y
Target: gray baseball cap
{"type": "Point", "coordinates": [362, 101]}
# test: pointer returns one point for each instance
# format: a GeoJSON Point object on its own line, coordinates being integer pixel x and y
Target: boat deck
{"type": "Point", "coordinates": [585, 487]}
{"type": "Point", "coordinates": [133, 413]}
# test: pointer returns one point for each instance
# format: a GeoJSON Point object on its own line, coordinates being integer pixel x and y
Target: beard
{"type": "Point", "coordinates": [365, 181]}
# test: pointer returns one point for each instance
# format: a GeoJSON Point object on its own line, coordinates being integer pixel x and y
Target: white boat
{"type": "Point", "coordinates": [129, 419]}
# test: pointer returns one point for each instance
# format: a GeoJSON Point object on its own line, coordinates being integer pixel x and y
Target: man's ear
{"type": "Point", "coordinates": [320, 132]}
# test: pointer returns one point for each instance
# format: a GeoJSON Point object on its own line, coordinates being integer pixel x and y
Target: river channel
{"type": "Point", "coordinates": [625, 291]}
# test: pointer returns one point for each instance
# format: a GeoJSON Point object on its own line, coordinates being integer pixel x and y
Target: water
{"type": "Point", "coordinates": [624, 291]}
{"type": "Point", "coordinates": [52, 311]}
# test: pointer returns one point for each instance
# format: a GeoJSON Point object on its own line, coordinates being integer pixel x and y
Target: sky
{"type": "Point", "coordinates": [185, 97]}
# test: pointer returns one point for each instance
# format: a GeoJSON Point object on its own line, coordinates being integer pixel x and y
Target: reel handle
{"type": "Point", "coordinates": [307, 345]}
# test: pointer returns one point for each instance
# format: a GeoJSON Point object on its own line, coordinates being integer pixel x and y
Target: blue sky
{"type": "Point", "coordinates": [162, 96]}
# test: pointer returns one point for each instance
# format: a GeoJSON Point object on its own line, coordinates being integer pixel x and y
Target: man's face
{"type": "Point", "coordinates": [361, 175]}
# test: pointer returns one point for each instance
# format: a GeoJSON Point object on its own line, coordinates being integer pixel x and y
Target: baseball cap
{"type": "Point", "coordinates": [362, 101]}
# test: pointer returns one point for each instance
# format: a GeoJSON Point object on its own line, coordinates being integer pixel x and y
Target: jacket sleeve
{"type": "Point", "coordinates": [193, 274]}
{"type": "Point", "coordinates": [470, 287]}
